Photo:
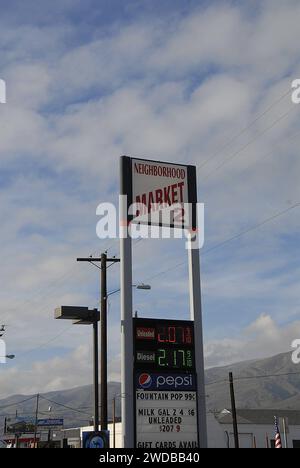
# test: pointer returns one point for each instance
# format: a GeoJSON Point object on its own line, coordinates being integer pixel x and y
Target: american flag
{"type": "Point", "coordinates": [278, 443]}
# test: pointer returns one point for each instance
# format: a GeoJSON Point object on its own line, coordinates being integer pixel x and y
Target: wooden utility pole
{"type": "Point", "coordinates": [233, 412]}
{"type": "Point", "coordinates": [103, 260]}
{"type": "Point", "coordinates": [36, 420]}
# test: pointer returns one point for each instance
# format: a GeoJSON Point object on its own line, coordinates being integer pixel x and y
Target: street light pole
{"type": "Point", "coordinates": [96, 377]}
{"type": "Point", "coordinates": [36, 420]}
{"type": "Point", "coordinates": [84, 316]}
{"type": "Point", "coordinates": [103, 349]}
{"type": "Point", "coordinates": [114, 421]}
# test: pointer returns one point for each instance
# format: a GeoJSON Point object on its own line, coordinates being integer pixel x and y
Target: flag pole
{"type": "Point", "coordinates": [284, 433]}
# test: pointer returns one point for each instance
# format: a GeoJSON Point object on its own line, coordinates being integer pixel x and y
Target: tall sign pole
{"type": "Point", "coordinates": [196, 311]}
{"type": "Point", "coordinates": [196, 316]}
{"type": "Point", "coordinates": [126, 308]}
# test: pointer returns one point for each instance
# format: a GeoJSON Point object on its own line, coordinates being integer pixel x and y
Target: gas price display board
{"type": "Point", "coordinates": [165, 384]}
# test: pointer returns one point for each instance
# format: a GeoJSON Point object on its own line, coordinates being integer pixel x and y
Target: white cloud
{"type": "Point", "coordinates": [54, 374]}
{"type": "Point", "coordinates": [199, 40]}
{"type": "Point", "coordinates": [72, 369]}
{"type": "Point", "coordinates": [29, 85]}
{"type": "Point", "coordinates": [262, 338]}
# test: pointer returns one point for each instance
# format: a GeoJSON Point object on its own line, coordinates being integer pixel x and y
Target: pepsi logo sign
{"type": "Point", "coordinates": [145, 380]}
{"type": "Point", "coordinates": [155, 381]}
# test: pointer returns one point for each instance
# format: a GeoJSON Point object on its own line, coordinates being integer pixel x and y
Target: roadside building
{"type": "Point", "coordinates": [256, 428]}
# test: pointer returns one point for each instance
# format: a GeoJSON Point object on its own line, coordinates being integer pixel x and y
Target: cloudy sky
{"type": "Point", "coordinates": [202, 82]}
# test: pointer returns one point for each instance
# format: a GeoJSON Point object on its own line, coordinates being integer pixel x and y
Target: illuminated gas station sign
{"type": "Point", "coordinates": [165, 384]}
{"type": "Point", "coordinates": [164, 344]}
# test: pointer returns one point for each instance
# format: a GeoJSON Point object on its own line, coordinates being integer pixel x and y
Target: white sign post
{"type": "Point", "coordinates": [196, 315]}
{"type": "Point", "coordinates": [127, 394]}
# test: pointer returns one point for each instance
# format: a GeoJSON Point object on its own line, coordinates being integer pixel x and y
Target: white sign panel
{"type": "Point", "coordinates": [166, 419]}
{"type": "Point", "coordinates": [160, 193]}
{"type": "Point", "coordinates": [166, 410]}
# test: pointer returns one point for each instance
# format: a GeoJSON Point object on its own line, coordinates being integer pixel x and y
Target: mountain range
{"type": "Point", "coordinates": [266, 383]}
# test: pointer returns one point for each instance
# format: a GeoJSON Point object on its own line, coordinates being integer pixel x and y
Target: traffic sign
{"type": "Point", "coordinates": [95, 440]}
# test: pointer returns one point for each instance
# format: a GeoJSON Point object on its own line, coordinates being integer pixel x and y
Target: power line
{"type": "Point", "coordinates": [234, 155]}
{"type": "Point", "coordinates": [42, 345]}
{"type": "Point", "coordinates": [235, 137]}
{"type": "Point", "coordinates": [230, 239]}
{"type": "Point", "coordinates": [267, 376]}
{"type": "Point", "coordinates": [253, 228]}
{"type": "Point", "coordinates": [270, 152]}
{"type": "Point", "coordinates": [65, 406]}
{"type": "Point", "coordinates": [32, 413]}
{"type": "Point", "coordinates": [17, 403]}
{"type": "Point", "coordinates": [258, 376]}
{"type": "Point", "coordinates": [77, 410]}
{"type": "Point", "coordinates": [69, 273]}
{"type": "Point", "coordinates": [246, 145]}
{"type": "Point", "coordinates": [53, 285]}
{"type": "Point", "coordinates": [47, 342]}
{"type": "Point", "coordinates": [50, 290]}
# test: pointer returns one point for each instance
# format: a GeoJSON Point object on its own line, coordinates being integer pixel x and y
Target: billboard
{"type": "Point", "coordinates": [20, 425]}
{"type": "Point", "coordinates": [161, 194]}
{"type": "Point", "coordinates": [49, 423]}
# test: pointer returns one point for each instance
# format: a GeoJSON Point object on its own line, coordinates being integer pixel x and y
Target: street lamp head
{"type": "Point", "coordinates": [79, 315]}
{"type": "Point", "coordinates": [10, 356]}
{"type": "Point", "coordinates": [143, 286]}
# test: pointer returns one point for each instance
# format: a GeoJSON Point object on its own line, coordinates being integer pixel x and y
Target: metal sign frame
{"type": "Point", "coordinates": [127, 354]}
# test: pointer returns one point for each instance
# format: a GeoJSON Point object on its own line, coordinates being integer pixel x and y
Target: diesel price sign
{"type": "Point", "coordinates": [165, 384]}
{"type": "Point", "coordinates": [164, 344]}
